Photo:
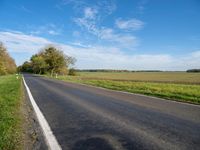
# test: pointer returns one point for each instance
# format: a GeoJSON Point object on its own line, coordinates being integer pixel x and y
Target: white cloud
{"type": "Point", "coordinates": [80, 45]}
{"type": "Point", "coordinates": [108, 6]}
{"type": "Point", "coordinates": [76, 4]}
{"type": "Point", "coordinates": [20, 42]}
{"type": "Point", "coordinates": [131, 24]}
{"type": "Point", "coordinates": [96, 57]}
{"type": "Point", "coordinates": [196, 54]}
{"type": "Point", "coordinates": [124, 40]}
{"type": "Point", "coordinates": [50, 29]}
{"type": "Point", "coordinates": [90, 13]}
{"type": "Point", "coordinates": [89, 22]}
{"type": "Point", "coordinates": [52, 32]}
{"type": "Point", "coordinates": [108, 34]}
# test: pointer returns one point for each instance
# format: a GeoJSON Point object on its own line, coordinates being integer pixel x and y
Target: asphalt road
{"type": "Point", "coordinates": [88, 118]}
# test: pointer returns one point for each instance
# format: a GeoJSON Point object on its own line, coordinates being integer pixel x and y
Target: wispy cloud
{"type": "Point", "coordinates": [196, 54]}
{"type": "Point", "coordinates": [125, 40]}
{"type": "Point", "coordinates": [76, 4]}
{"type": "Point", "coordinates": [104, 33]}
{"type": "Point", "coordinates": [79, 44]}
{"type": "Point", "coordinates": [108, 6]}
{"type": "Point", "coordinates": [23, 8]}
{"type": "Point", "coordinates": [94, 57]}
{"type": "Point", "coordinates": [90, 22]}
{"type": "Point", "coordinates": [141, 6]}
{"type": "Point", "coordinates": [20, 42]}
{"type": "Point", "coordinates": [50, 29]}
{"type": "Point", "coordinates": [53, 32]}
{"type": "Point", "coordinates": [131, 24]}
{"type": "Point", "coordinates": [90, 12]}
{"type": "Point", "coordinates": [76, 34]}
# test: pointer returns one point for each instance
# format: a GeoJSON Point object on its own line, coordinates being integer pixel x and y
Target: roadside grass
{"type": "Point", "coordinates": [10, 115]}
{"type": "Point", "coordinates": [178, 92]}
{"type": "Point", "coordinates": [173, 91]}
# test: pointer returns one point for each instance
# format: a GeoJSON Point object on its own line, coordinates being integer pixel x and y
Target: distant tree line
{"type": "Point", "coordinates": [193, 70]}
{"type": "Point", "coordinates": [49, 60]}
{"type": "Point", "coordinates": [7, 63]}
{"type": "Point", "coordinates": [101, 70]}
{"type": "Point", "coordinates": [114, 70]}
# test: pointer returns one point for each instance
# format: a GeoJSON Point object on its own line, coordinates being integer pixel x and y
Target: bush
{"type": "Point", "coordinates": [72, 72]}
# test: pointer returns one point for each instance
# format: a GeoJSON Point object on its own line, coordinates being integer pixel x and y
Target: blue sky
{"type": "Point", "coordinates": [106, 34]}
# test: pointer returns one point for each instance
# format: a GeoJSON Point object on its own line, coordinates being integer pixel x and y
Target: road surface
{"type": "Point", "coordinates": [88, 118]}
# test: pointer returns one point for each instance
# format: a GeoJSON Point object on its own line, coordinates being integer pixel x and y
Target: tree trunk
{"type": "Point", "coordinates": [52, 72]}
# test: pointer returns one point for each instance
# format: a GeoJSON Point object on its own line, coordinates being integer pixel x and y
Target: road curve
{"type": "Point", "coordinates": [88, 118]}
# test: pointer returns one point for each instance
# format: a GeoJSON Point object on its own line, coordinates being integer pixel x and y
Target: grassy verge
{"type": "Point", "coordinates": [179, 92]}
{"type": "Point", "coordinates": [10, 114]}
{"type": "Point", "coordinates": [187, 93]}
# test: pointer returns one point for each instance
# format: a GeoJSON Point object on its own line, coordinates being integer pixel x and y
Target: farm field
{"type": "Point", "coordinates": [177, 86]}
{"type": "Point", "coordinates": [172, 77]}
{"type": "Point", "coordinates": [10, 115]}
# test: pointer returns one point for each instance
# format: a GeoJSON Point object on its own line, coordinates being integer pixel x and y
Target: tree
{"type": "Point", "coordinates": [2, 59]}
{"type": "Point", "coordinates": [7, 64]}
{"type": "Point", "coordinates": [2, 68]}
{"type": "Point", "coordinates": [27, 67]}
{"type": "Point", "coordinates": [38, 63]}
{"type": "Point", "coordinates": [50, 59]}
{"type": "Point", "coordinates": [62, 71]}
{"type": "Point", "coordinates": [56, 59]}
{"type": "Point", "coordinates": [72, 72]}
{"type": "Point", "coordinates": [193, 70]}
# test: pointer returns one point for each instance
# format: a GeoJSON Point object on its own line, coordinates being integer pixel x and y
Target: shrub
{"type": "Point", "coordinates": [72, 72]}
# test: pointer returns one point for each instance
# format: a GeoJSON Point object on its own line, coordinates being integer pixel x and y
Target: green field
{"type": "Point", "coordinates": [10, 114]}
{"type": "Point", "coordinates": [171, 77]}
{"type": "Point", "coordinates": [179, 86]}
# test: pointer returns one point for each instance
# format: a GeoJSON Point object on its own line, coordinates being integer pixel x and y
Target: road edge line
{"type": "Point", "coordinates": [50, 138]}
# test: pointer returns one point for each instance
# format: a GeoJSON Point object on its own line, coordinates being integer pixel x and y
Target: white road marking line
{"type": "Point", "coordinates": [51, 141]}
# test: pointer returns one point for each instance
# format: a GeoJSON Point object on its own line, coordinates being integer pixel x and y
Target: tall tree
{"type": "Point", "coordinates": [39, 63]}
{"type": "Point", "coordinates": [56, 59]}
{"type": "Point", "coordinates": [50, 59]}
{"type": "Point", "coordinates": [7, 64]}
{"type": "Point", "coordinates": [26, 67]}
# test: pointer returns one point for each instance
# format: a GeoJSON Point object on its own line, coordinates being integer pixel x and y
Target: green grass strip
{"type": "Point", "coordinates": [172, 91]}
{"type": "Point", "coordinates": [178, 92]}
{"type": "Point", "coordinates": [10, 114]}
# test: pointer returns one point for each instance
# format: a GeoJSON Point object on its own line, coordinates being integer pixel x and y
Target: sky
{"type": "Point", "coordinates": [106, 34]}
